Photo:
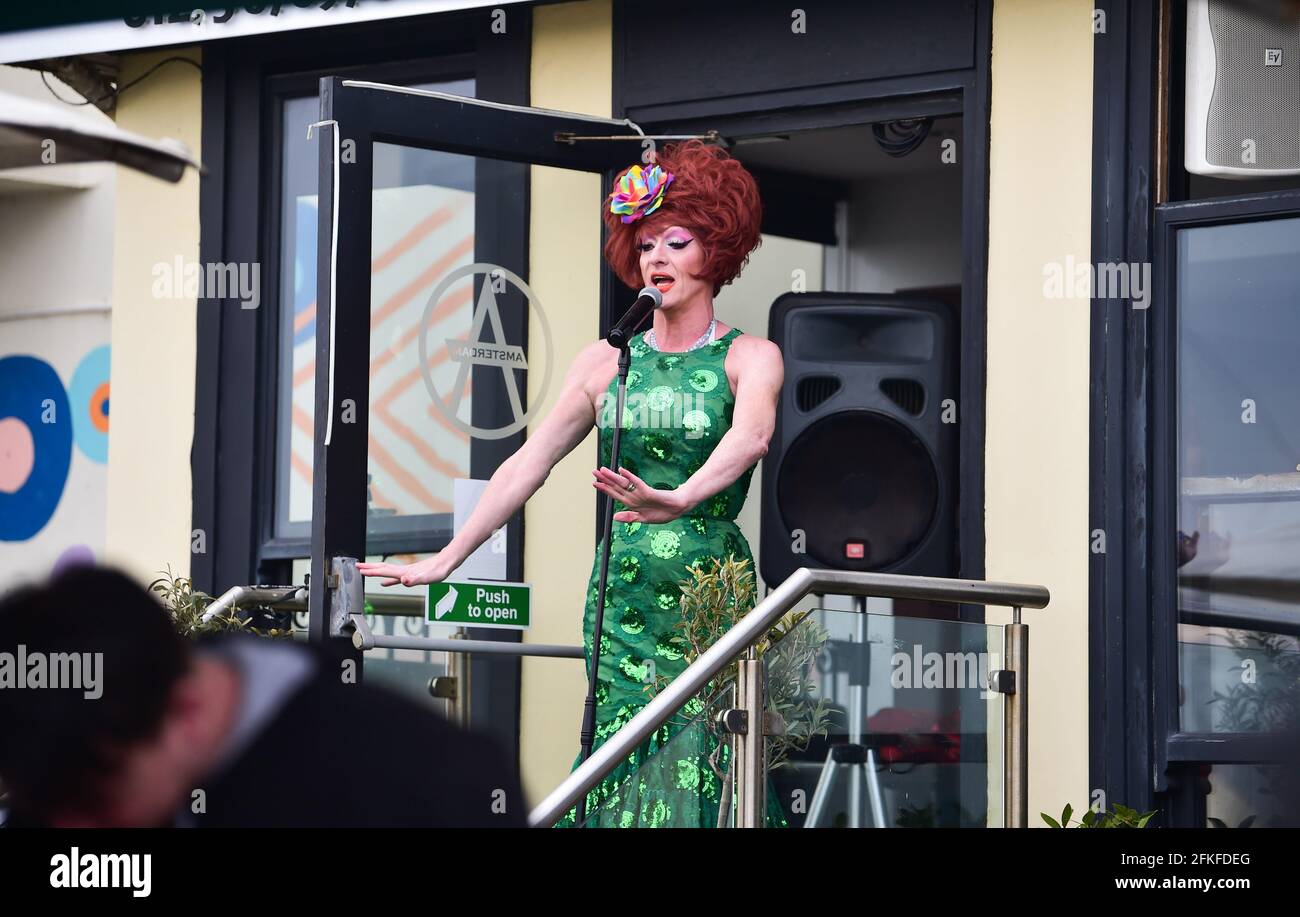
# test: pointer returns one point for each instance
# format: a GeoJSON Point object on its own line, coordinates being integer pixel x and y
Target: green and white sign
{"type": "Point", "coordinates": [479, 604]}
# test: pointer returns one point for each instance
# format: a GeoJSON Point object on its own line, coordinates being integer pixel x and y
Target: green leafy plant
{"type": "Point", "coordinates": [712, 601]}
{"type": "Point", "coordinates": [790, 649]}
{"type": "Point", "coordinates": [186, 605]}
{"type": "Point", "coordinates": [1121, 817]}
{"type": "Point", "coordinates": [1267, 703]}
{"type": "Point", "coordinates": [1270, 701]}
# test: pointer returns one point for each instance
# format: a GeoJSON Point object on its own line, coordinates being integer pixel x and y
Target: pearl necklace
{"type": "Point", "coordinates": [703, 339]}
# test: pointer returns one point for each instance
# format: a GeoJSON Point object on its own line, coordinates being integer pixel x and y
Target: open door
{"type": "Point", "coordinates": [423, 311]}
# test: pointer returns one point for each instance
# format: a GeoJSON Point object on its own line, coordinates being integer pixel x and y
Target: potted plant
{"type": "Point", "coordinates": [712, 601]}
{"type": "Point", "coordinates": [186, 606]}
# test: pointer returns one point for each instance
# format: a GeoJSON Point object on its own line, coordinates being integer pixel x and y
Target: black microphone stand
{"type": "Point", "coordinates": [589, 708]}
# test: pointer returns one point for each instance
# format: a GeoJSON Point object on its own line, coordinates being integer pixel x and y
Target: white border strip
{"type": "Point", "coordinates": [334, 267]}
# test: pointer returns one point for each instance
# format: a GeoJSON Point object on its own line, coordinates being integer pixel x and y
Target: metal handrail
{"type": "Point", "coordinates": [294, 598]}
{"type": "Point", "coordinates": [289, 597]}
{"type": "Point", "coordinates": [477, 647]}
{"type": "Point", "coordinates": [747, 632]}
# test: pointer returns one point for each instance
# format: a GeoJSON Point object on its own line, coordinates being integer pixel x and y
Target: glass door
{"type": "Point", "coordinates": [422, 347]}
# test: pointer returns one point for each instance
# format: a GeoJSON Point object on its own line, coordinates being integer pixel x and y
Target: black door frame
{"type": "Point", "coordinates": [233, 458]}
{"type": "Point", "coordinates": [1137, 755]}
{"type": "Point", "coordinates": [964, 92]}
{"type": "Point", "coordinates": [507, 138]}
{"type": "Point", "coordinates": [244, 84]}
{"type": "Point", "coordinates": [1121, 734]}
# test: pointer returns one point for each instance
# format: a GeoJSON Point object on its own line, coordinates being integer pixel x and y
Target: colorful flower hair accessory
{"type": "Point", "coordinates": [640, 191]}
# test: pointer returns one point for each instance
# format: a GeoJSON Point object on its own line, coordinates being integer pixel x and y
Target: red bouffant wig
{"type": "Point", "coordinates": [712, 195]}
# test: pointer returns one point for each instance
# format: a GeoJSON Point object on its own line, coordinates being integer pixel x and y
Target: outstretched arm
{"type": "Point", "coordinates": [758, 385]}
{"type": "Point", "coordinates": [514, 481]}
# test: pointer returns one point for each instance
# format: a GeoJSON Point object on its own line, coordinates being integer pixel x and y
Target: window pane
{"type": "Point", "coordinates": [904, 729]}
{"type": "Point", "coordinates": [1239, 474]}
{"type": "Point", "coordinates": [393, 264]}
{"type": "Point", "coordinates": [1248, 796]}
{"type": "Point", "coordinates": [422, 229]}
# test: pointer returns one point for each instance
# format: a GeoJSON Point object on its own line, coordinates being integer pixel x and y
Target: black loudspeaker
{"type": "Point", "coordinates": [862, 468]}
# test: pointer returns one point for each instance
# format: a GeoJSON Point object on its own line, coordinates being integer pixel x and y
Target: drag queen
{"type": "Point", "coordinates": [701, 407]}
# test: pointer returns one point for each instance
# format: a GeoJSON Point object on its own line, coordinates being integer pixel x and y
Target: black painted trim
{"type": "Point", "coordinates": [943, 93]}
{"type": "Point", "coordinates": [203, 451]}
{"type": "Point", "coordinates": [1224, 748]}
{"type": "Point", "coordinates": [1136, 754]}
{"type": "Point", "coordinates": [1121, 733]}
{"type": "Point", "coordinates": [514, 138]}
{"type": "Point", "coordinates": [974, 308]}
{"type": "Point", "coordinates": [232, 458]}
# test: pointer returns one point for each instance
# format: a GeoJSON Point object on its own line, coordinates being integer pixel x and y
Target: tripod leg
{"type": "Point", "coordinates": [873, 784]}
{"type": "Point", "coordinates": [822, 794]}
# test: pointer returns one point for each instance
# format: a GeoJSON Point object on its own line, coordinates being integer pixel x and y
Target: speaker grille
{"type": "Point", "coordinates": [858, 477]}
{"type": "Point", "coordinates": [886, 336]}
{"type": "Point", "coordinates": [1251, 100]}
{"type": "Point", "coordinates": [814, 390]}
{"type": "Point", "coordinates": [908, 394]}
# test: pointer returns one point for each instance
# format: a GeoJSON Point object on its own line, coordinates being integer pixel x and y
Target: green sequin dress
{"type": "Point", "coordinates": [678, 406]}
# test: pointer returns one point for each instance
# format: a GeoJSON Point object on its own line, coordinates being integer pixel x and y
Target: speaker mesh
{"type": "Point", "coordinates": [908, 394]}
{"type": "Point", "coordinates": [1252, 101]}
{"type": "Point", "coordinates": [858, 476]}
{"type": "Point", "coordinates": [814, 390]}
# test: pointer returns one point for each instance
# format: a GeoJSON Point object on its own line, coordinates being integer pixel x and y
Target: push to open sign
{"type": "Point", "coordinates": [480, 604]}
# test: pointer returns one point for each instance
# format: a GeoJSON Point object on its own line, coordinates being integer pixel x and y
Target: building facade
{"type": "Point", "coordinates": [1049, 150]}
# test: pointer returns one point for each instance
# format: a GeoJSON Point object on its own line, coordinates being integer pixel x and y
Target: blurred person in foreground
{"type": "Point", "coordinates": [232, 731]}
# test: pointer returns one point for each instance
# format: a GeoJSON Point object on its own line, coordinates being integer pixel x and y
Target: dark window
{"type": "Point", "coordinates": [1226, 475]}
{"type": "Point", "coordinates": [1238, 536]}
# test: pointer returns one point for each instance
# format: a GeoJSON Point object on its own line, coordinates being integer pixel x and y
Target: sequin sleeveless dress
{"type": "Point", "coordinates": [678, 406]}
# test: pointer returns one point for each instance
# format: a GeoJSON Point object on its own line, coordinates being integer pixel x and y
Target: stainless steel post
{"type": "Point", "coordinates": [751, 760]}
{"type": "Point", "coordinates": [858, 708]}
{"type": "Point", "coordinates": [460, 665]}
{"type": "Point", "coordinates": [1015, 794]}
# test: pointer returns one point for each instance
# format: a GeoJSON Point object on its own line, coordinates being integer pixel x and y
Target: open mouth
{"type": "Point", "coordinates": [662, 282]}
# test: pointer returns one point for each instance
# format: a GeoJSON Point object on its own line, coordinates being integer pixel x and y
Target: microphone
{"type": "Point", "coordinates": [648, 300]}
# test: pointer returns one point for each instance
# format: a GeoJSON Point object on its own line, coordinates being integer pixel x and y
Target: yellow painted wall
{"type": "Point", "coordinates": [153, 340]}
{"type": "Point", "coordinates": [1036, 401]}
{"type": "Point", "coordinates": [1036, 459]}
{"type": "Point", "coordinates": [571, 71]}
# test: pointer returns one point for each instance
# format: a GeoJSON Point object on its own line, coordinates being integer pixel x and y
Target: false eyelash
{"type": "Point", "coordinates": [675, 244]}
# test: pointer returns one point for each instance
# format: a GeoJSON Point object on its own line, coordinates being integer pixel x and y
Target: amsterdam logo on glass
{"type": "Point", "coordinates": [491, 351]}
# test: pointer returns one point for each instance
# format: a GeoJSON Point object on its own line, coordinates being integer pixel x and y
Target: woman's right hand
{"type": "Point", "coordinates": [429, 570]}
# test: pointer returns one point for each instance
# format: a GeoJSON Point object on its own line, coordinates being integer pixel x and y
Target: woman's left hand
{"type": "Point", "coordinates": [644, 503]}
